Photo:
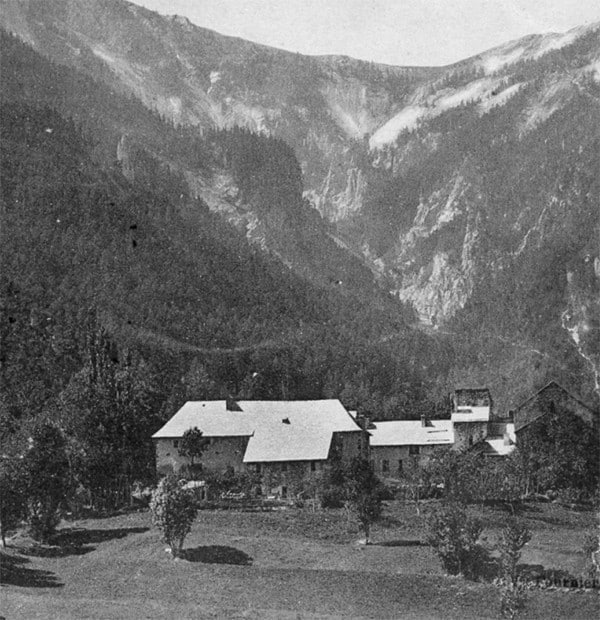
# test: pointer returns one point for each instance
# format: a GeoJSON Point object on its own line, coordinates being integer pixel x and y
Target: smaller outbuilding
{"type": "Point", "coordinates": [552, 398]}
{"type": "Point", "coordinates": [398, 445]}
{"type": "Point", "coordinates": [500, 441]}
{"type": "Point", "coordinates": [472, 411]}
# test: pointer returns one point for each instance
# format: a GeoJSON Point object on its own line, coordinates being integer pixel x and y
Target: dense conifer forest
{"type": "Point", "coordinates": [123, 296]}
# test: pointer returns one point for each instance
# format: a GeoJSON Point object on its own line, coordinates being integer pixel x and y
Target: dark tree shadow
{"type": "Point", "coordinates": [78, 537]}
{"type": "Point", "coordinates": [43, 551]}
{"type": "Point", "coordinates": [217, 554]}
{"type": "Point", "coordinates": [14, 572]}
{"type": "Point", "coordinates": [552, 576]}
{"type": "Point", "coordinates": [399, 543]}
{"type": "Point", "coordinates": [77, 541]}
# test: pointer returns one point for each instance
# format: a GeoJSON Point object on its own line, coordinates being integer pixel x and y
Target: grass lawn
{"type": "Point", "coordinates": [286, 564]}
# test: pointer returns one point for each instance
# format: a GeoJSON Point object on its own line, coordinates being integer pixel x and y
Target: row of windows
{"type": "Point", "coordinates": [258, 467]}
{"type": "Point", "coordinates": [341, 444]}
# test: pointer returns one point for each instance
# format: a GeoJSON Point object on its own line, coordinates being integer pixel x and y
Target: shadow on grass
{"type": "Point", "coordinates": [551, 576]}
{"type": "Point", "coordinates": [399, 543]}
{"type": "Point", "coordinates": [14, 572]}
{"type": "Point", "coordinates": [78, 541]}
{"type": "Point", "coordinates": [43, 551]}
{"type": "Point", "coordinates": [77, 537]}
{"type": "Point", "coordinates": [217, 554]}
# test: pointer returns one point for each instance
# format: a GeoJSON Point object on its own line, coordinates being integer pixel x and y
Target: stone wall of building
{"type": "Point", "coordinates": [391, 461]}
{"type": "Point", "coordinates": [467, 434]}
{"type": "Point", "coordinates": [218, 455]}
{"type": "Point", "coordinates": [551, 399]}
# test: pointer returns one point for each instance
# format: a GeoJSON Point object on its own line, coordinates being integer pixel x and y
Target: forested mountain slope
{"type": "Point", "coordinates": [111, 267]}
{"type": "Point", "coordinates": [469, 191]}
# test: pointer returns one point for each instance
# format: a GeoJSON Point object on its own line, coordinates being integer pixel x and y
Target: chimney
{"type": "Point", "coordinates": [363, 420]}
{"type": "Point", "coordinates": [424, 420]}
{"type": "Point", "coordinates": [231, 404]}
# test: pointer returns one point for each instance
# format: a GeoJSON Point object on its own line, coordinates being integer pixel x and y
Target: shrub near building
{"type": "Point", "coordinates": [174, 510]}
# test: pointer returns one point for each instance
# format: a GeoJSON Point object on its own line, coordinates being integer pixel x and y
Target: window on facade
{"type": "Point", "coordinates": [470, 440]}
{"type": "Point", "coordinates": [313, 466]}
{"type": "Point", "coordinates": [176, 443]}
{"type": "Point", "coordinates": [413, 450]}
{"type": "Point", "coordinates": [400, 466]}
{"type": "Point", "coordinates": [385, 466]}
{"type": "Point", "coordinates": [258, 468]}
{"type": "Point", "coordinates": [284, 467]}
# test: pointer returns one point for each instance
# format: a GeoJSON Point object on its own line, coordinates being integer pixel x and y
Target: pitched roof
{"type": "Point", "coordinates": [277, 430]}
{"type": "Point", "coordinates": [524, 418]}
{"type": "Point", "coordinates": [471, 414]}
{"type": "Point", "coordinates": [501, 441]}
{"type": "Point", "coordinates": [496, 446]}
{"type": "Point", "coordinates": [411, 433]}
{"type": "Point", "coordinates": [211, 417]}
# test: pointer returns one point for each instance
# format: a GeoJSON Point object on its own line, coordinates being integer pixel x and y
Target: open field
{"type": "Point", "coordinates": [287, 564]}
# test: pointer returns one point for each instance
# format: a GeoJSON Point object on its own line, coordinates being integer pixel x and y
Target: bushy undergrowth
{"type": "Point", "coordinates": [454, 534]}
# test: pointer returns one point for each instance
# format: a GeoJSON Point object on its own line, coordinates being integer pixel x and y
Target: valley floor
{"type": "Point", "coordinates": [287, 564]}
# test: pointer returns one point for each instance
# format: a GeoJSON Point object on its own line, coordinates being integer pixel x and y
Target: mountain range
{"type": "Point", "coordinates": [469, 193]}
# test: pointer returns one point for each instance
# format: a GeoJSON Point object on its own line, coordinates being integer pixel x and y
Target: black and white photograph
{"type": "Point", "coordinates": [300, 309]}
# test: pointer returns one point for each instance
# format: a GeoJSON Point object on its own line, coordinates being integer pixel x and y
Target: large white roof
{"type": "Point", "coordinates": [277, 430]}
{"type": "Point", "coordinates": [411, 433]}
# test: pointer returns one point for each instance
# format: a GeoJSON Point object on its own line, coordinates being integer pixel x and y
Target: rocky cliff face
{"type": "Point", "coordinates": [439, 179]}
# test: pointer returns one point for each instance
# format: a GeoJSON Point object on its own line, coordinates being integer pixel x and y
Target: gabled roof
{"type": "Point", "coordinates": [411, 433]}
{"type": "Point", "coordinates": [211, 417]}
{"type": "Point", "coordinates": [522, 419]}
{"type": "Point", "coordinates": [277, 430]}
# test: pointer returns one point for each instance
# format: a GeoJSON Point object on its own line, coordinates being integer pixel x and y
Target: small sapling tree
{"type": "Point", "coordinates": [416, 481]}
{"type": "Point", "coordinates": [591, 550]}
{"type": "Point", "coordinates": [192, 446]}
{"type": "Point", "coordinates": [174, 510]}
{"type": "Point", "coordinates": [365, 493]}
{"type": "Point", "coordinates": [513, 538]}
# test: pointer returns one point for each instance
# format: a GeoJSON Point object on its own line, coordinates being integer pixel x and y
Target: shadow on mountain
{"type": "Point", "coordinates": [217, 554]}
{"type": "Point", "coordinates": [14, 572]}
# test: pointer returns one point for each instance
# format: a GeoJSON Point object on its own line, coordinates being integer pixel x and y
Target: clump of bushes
{"type": "Point", "coordinates": [230, 481]}
{"type": "Point", "coordinates": [35, 487]}
{"type": "Point", "coordinates": [454, 535]}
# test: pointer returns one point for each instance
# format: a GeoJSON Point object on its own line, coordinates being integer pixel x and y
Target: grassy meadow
{"type": "Point", "coordinates": [291, 563]}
